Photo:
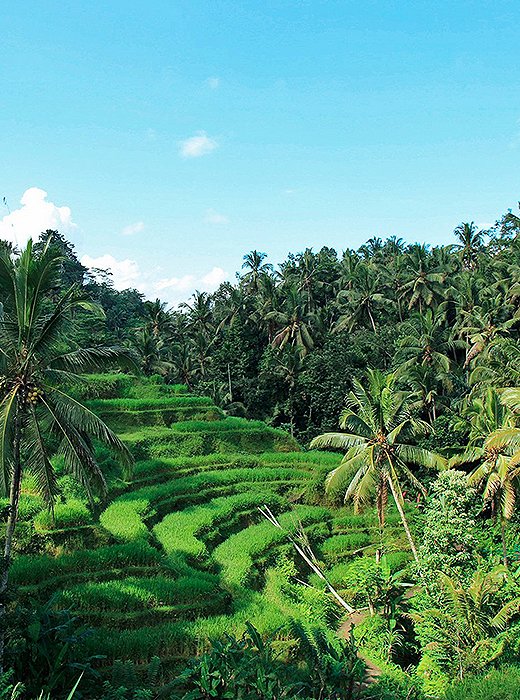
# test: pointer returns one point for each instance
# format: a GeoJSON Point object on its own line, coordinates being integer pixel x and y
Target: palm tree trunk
{"type": "Point", "coordinates": [14, 497]}
{"type": "Point", "coordinates": [403, 518]}
{"type": "Point", "coordinates": [504, 544]}
{"type": "Point", "coordinates": [371, 319]}
{"type": "Point", "coordinates": [229, 384]}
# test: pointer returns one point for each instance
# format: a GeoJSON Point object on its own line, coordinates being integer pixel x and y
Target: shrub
{"type": "Point", "coordinates": [498, 684]}
{"type": "Point", "coordinates": [72, 513]}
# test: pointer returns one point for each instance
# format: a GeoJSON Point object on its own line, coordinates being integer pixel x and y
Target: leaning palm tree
{"type": "Point", "coordinates": [377, 421]}
{"type": "Point", "coordinates": [35, 408]}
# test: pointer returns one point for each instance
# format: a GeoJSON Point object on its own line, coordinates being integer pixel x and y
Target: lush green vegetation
{"type": "Point", "coordinates": [369, 404]}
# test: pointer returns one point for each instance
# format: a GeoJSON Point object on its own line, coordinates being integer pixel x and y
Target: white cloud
{"type": "Point", "coordinates": [174, 290]}
{"type": "Point", "coordinates": [131, 229]}
{"type": "Point", "coordinates": [213, 217]}
{"type": "Point", "coordinates": [34, 216]}
{"type": "Point", "coordinates": [125, 273]}
{"type": "Point", "coordinates": [180, 284]}
{"type": "Point", "coordinates": [178, 289]}
{"type": "Point", "coordinates": [213, 279]}
{"type": "Point", "coordinates": [213, 83]}
{"type": "Point", "coordinates": [198, 145]}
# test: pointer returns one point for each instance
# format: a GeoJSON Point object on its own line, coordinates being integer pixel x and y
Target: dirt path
{"type": "Point", "coordinates": [372, 671]}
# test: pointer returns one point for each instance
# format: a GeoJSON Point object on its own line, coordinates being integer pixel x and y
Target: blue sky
{"type": "Point", "coordinates": [173, 137]}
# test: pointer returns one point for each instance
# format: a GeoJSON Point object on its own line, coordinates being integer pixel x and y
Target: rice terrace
{"type": "Point", "coordinates": [260, 350]}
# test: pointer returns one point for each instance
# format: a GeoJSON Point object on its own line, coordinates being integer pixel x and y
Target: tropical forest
{"type": "Point", "coordinates": [303, 485]}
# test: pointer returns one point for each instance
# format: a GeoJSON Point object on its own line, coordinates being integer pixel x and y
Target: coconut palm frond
{"type": "Point", "coordinates": [337, 441]}
{"type": "Point", "coordinates": [40, 464]}
{"type": "Point", "coordinates": [7, 417]}
{"type": "Point", "coordinates": [411, 454]}
{"type": "Point", "coordinates": [72, 412]}
{"type": "Point", "coordinates": [95, 360]}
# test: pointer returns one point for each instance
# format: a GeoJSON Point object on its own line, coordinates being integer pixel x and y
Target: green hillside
{"type": "Point", "coordinates": [179, 553]}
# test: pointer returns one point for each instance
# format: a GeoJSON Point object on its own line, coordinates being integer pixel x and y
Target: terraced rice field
{"type": "Point", "coordinates": [180, 552]}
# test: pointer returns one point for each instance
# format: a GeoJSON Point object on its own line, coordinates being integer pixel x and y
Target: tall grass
{"type": "Point", "coordinates": [180, 532]}
{"type": "Point", "coordinates": [30, 569]}
{"type": "Point", "coordinates": [124, 519]}
{"type": "Point", "coordinates": [72, 513]}
{"type": "Point", "coordinates": [237, 555]}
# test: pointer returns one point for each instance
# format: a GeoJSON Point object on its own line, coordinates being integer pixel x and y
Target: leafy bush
{"type": "Point", "coordinates": [498, 684]}
{"type": "Point", "coordinates": [72, 513]}
{"type": "Point", "coordinates": [249, 667]}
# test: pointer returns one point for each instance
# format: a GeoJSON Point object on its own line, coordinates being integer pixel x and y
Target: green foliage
{"type": "Point", "coordinates": [450, 535]}
{"type": "Point", "coordinates": [500, 684]}
{"type": "Point", "coordinates": [45, 648]}
{"type": "Point", "coordinates": [70, 514]}
{"type": "Point", "coordinates": [249, 668]}
{"type": "Point", "coordinates": [124, 519]}
{"type": "Point", "coordinates": [465, 630]}
{"type": "Point", "coordinates": [47, 570]}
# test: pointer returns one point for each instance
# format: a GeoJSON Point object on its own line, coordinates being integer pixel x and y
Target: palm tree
{"type": "Point", "coordinates": [183, 362]}
{"type": "Point", "coordinates": [377, 421]}
{"type": "Point", "coordinates": [199, 313]}
{"type": "Point", "coordinates": [232, 304]}
{"type": "Point", "coordinates": [424, 285]}
{"type": "Point", "coordinates": [34, 406]}
{"type": "Point", "coordinates": [150, 350]}
{"type": "Point", "coordinates": [158, 318]}
{"type": "Point", "coordinates": [470, 243]}
{"type": "Point", "coordinates": [289, 365]}
{"type": "Point", "coordinates": [256, 269]}
{"type": "Point", "coordinates": [426, 389]}
{"type": "Point", "coordinates": [424, 341]}
{"type": "Point", "coordinates": [357, 305]}
{"type": "Point", "coordinates": [293, 323]}
{"type": "Point", "coordinates": [483, 325]}
{"type": "Point", "coordinates": [501, 367]}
